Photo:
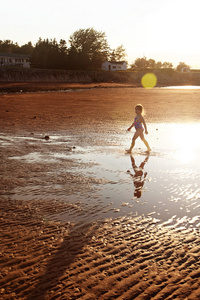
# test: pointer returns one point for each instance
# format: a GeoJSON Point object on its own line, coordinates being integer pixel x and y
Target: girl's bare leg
{"type": "Point", "coordinates": [136, 135]}
{"type": "Point", "coordinates": [145, 142]}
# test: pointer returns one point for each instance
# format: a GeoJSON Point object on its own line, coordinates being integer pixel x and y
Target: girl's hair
{"type": "Point", "coordinates": [141, 108]}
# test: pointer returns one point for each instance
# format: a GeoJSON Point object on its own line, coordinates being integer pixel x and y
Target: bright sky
{"type": "Point", "coordinates": [164, 30]}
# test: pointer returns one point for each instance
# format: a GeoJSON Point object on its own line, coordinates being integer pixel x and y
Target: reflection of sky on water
{"type": "Point", "coordinates": [181, 87]}
{"type": "Point", "coordinates": [162, 185]}
{"type": "Point", "coordinates": [171, 186]}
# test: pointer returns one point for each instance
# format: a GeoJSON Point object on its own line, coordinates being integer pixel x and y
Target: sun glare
{"type": "Point", "coordinates": [186, 142]}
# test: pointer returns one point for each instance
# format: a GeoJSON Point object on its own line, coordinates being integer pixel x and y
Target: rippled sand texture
{"type": "Point", "coordinates": [122, 258]}
{"type": "Point", "coordinates": [71, 224]}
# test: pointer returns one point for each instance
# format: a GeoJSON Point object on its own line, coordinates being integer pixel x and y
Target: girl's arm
{"type": "Point", "coordinates": [130, 127]}
{"type": "Point", "coordinates": [144, 123]}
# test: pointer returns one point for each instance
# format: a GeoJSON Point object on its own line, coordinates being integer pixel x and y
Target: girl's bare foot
{"type": "Point", "coordinates": [148, 151]}
{"type": "Point", "coordinates": [128, 150]}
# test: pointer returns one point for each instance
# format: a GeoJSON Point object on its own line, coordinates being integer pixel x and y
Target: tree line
{"type": "Point", "coordinates": [144, 63]}
{"type": "Point", "coordinates": [86, 49]}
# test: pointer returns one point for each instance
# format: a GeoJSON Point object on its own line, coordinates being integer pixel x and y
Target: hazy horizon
{"type": "Point", "coordinates": [161, 31]}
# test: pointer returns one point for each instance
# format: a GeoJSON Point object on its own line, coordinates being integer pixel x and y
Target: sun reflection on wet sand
{"type": "Point", "coordinates": [185, 137]}
{"type": "Point", "coordinates": [186, 155]}
{"type": "Point", "coordinates": [175, 140]}
{"type": "Point", "coordinates": [161, 185]}
{"type": "Point", "coordinates": [183, 87]}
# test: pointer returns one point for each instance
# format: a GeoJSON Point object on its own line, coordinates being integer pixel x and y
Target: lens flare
{"type": "Point", "coordinates": [149, 80]}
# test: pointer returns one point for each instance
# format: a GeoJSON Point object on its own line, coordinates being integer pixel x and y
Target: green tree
{"type": "Point", "coordinates": [151, 63]}
{"type": "Point", "coordinates": [167, 65]}
{"type": "Point", "coordinates": [117, 54]}
{"type": "Point", "coordinates": [90, 48]}
{"type": "Point", "coordinates": [48, 54]}
{"type": "Point", "coordinates": [77, 60]}
{"type": "Point", "coordinates": [27, 48]}
{"type": "Point", "coordinates": [62, 56]}
{"type": "Point", "coordinates": [9, 46]}
{"type": "Point", "coordinates": [159, 65]}
{"type": "Point", "coordinates": [141, 63]}
{"type": "Point", "coordinates": [144, 63]}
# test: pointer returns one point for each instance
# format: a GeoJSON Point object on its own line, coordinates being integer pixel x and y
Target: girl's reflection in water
{"type": "Point", "coordinates": [139, 176]}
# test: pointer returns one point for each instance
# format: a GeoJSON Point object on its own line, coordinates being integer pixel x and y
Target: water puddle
{"type": "Point", "coordinates": [154, 185]}
{"type": "Point", "coordinates": [183, 87]}
{"type": "Point", "coordinates": [103, 181]}
{"type": "Point", "coordinates": [35, 157]}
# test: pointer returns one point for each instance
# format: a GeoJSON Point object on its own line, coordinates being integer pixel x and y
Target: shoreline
{"type": "Point", "coordinates": [24, 87]}
{"type": "Point", "coordinates": [165, 77]}
{"type": "Point", "coordinates": [27, 87]}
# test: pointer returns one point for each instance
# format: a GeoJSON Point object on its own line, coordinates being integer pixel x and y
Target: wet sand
{"type": "Point", "coordinates": [46, 256]}
{"type": "Point", "coordinates": [116, 259]}
{"type": "Point", "coordinates": [19, 87]}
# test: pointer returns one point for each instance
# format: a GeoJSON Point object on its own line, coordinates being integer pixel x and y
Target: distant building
{"type": "Point", "coordinates": [114, 66]}
{"type": "Point", "coordinates": [15, 60]}
{"type": "Point", "coordinates": [185, 70]}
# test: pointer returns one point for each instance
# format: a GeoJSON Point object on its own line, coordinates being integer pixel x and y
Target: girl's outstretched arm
{"type": "Point", "coordinates": [130, 127]}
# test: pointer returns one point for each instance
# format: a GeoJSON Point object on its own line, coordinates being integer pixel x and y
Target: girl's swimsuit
{"type": "Point", "coordinates": [137, 123]}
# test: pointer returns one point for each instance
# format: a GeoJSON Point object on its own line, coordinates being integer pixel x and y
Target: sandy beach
{"type": "Point", "coordinates": [72, 226]}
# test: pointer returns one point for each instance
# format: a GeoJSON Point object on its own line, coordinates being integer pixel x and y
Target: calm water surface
{"type": "Point", "coordinates": [163, 185]}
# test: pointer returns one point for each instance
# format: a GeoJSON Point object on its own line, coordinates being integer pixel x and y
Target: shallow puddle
{"type": "Point", "coordinates": [163, 185]}
{"type": "Point", "coordinates": [158, 184]}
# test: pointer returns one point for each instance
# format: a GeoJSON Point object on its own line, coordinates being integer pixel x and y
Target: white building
{"type": "Point", "coordinates": [16, 60]}
{"type": "Point", "coordinates": [185, 70]}
{"type": "Point", "coordinates": [114, 66]}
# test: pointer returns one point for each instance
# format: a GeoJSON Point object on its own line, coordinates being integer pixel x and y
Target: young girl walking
{"type": "Point", "coordinates": [138, 122]}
